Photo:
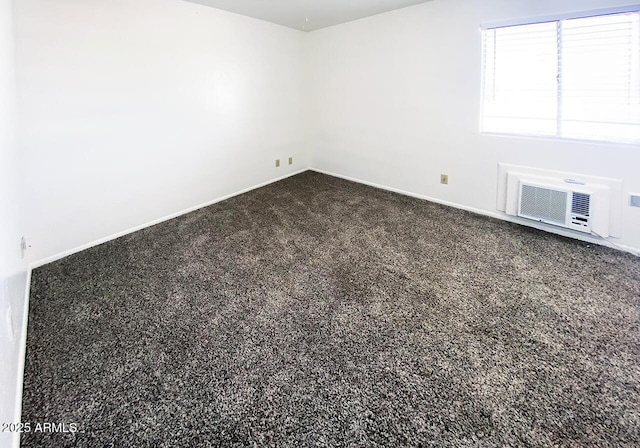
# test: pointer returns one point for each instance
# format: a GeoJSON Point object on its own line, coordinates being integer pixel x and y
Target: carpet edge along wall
{"type": "Point", "coordinates": [317, 311]}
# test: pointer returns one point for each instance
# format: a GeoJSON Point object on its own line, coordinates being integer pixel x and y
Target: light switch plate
{"type": "Point", "coordinates": [634, 199]}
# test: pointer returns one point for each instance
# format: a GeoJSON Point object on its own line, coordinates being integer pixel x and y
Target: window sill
{"type": "Point", "coordinates": [562, 139]}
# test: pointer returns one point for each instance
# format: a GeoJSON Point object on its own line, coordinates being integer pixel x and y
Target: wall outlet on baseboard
{"type": "Point", "coordinates": [290, 160]}
{"type": "Point", "coordinates": [634, 199]}
{"type": "Point", "coordinates": [444, 179]}
{"type": "Point", "coordinates": [277, 163]}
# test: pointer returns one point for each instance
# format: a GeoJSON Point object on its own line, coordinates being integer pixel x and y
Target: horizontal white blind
{"type": "Point", "coordinates": [577, 78]}
{"type": "Point", "coordinates": [600, 75]}
{"type": "Point", "coordinates": [520, 88]}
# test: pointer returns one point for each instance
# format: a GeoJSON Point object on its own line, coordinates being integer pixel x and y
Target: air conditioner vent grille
{"type": "Point", "coordinates": [543, 203]}
{"type": "Point", "coordinates": [580, 204]}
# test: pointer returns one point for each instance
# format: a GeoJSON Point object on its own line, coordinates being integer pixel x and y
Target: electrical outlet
{"type": "Point", "coordinates": [277, 163]}
{"type": "Point", "coordinates": [290, 160]}
{"type": "Point", "coordinates": [444, 179]}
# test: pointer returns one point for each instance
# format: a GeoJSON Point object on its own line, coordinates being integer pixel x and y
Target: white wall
{"type": "Point", "coordinates": [397, 100]}
{"type": "Point", "coordinates": [13, 273]}
{"type": "Point", "coordinates": [131, 110]}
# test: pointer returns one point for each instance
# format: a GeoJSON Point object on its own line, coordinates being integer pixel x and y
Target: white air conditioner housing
{"type": "Point", "coordinates": [567, 203]}
{"type": "Point", "coordinates": [563, 207]}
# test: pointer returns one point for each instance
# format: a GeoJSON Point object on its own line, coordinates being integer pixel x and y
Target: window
{"type": "Point", "coordinates": [576, 78]}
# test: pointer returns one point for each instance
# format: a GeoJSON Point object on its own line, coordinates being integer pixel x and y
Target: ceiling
{"type": "Point", "coordinates": [308, 15]}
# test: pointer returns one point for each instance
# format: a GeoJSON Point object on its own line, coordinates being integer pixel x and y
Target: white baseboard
{"type": "Point", "coordinates": [497, 215]}
{"type": "Point", "coordinates": [23, 352]}
{"type": "Point", "coordinates": [47, 260]}
{"type": "Point", "coordinates": [502, 216]}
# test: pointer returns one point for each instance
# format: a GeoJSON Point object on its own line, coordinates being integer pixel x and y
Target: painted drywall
{"type": "Point", "coordinates": [132, 110]}
{"type": "Point", "coordinates": [396, 102]}
{"type": "Point", "coordinates": [13, 270]}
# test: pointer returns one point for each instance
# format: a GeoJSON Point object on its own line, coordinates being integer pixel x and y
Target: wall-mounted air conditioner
{"type": "Point", "coordinates": [558, 206]}
{"type": "Point", "coordinates": [567, 203]}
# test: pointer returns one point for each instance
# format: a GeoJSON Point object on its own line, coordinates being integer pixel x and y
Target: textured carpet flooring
{"type": "Point", "coordinates": [319, 312]}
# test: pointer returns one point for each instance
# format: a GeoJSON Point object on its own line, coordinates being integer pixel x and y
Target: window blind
{"type": "Point", "coordinates": [574, 78]}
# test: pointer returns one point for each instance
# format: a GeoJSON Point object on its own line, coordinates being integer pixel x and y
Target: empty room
{"type": "Point", "coordinates": [336, 223]}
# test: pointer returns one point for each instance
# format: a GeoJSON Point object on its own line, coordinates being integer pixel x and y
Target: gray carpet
{"type": "Point", "coordinates": [319, 312]}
